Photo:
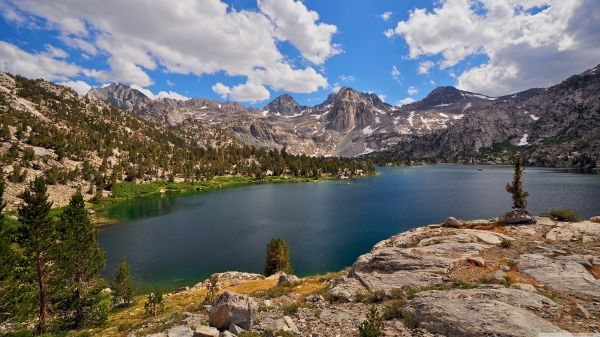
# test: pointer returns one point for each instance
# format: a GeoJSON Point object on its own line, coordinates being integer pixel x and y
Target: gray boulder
{"type": "Point", "coordinates": [286, 280]}
{"type": "Point", "coordinates": [480, 312]}
{"type": "Point", "coordinates": [205, 331]}
{"type": "Point", "coordinates": [564, 273]}
{"type": "Point", "coordinates": [516, 217]}
{"type": "Point", "coordinates": [235, 309]}
{"type": "Point", "coordinates": [452, 222]}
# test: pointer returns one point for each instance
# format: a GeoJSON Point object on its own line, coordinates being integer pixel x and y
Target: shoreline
{"type": "Point", "coordinates": [218, 183]}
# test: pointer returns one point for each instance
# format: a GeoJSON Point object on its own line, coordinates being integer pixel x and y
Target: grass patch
{"type": "Point", "coordinates": [564, 214]}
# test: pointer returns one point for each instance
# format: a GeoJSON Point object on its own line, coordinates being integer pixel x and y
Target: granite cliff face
{"type": "Point", "coordinates": [554, 126]}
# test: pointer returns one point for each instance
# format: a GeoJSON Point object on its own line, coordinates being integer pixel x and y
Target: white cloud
{"type": "Point", "coordinates": [528, 43]}
{"type": "Point", "coordinates": [247, 92]}
{"type": "Point", "coordinates": [336, 87]}
{"type": "Point", "coordinates": [221, 90]}
{"type": "Point", "coordinates": [35, 65]}
{"type": "Point", "coordinates": [424, 67]}
{"type": "Point", "coordinates": [382, 97]}
{"type": "Point", "coordinates": [405, 101]}
{"type": "Point", "coordinates": [161, 94]}
{"type": "Point", "coordinates": [55, 52]}
{"type": "Point", "coordinates": [347, 78]}
{"type": "Point", "coordinates": [192, 37]}
{"type": "Point", "coordinates": [295, 23]}
{"type": "Point", "coordinates": [80, 87]}
{"type": "Point", "coordinates": [395, 73]}
{"type": "Point", "coordinates": [412, 90]}
{"type": "Point", "coordinates": [385, 16]}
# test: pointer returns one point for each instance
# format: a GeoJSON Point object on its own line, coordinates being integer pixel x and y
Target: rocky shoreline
{"type": "Point", "coordinates": [459, 278]}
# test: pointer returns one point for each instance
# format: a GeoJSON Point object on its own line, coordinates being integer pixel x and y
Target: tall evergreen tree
{"type": "Point", "coordinates": [38, 240]}
{"type": "Point", "coordinates": [122, 288]}
{"type": "Point", "coordinates": [278, 257]}
{"type": "Point", "coordinates": [519, 195]}
{"type": "Point", "coordinates": [81, 258]}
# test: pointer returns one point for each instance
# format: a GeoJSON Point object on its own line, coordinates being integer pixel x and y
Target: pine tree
{"type": "Point", "coordinates": [278, 257]}
{"type": "Point", "coordinates": [122, 288]}
{"type": "Point", "coordinates": [519, 196]}
{"type": "Point", "coordinates": [38, 240]}
{"type": "Point", "coordinates": [81, 258]}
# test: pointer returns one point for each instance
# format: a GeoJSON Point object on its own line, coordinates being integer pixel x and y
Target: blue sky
{"type": "Point", "coordinates": [253, 51]}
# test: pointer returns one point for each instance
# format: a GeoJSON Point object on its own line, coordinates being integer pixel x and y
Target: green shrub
{"type": "Point", "coordinates": [372, 297]}
{"type": "Point", "coordinates": [273, 292]}
{"type": "Point", "coordinates": [374, 324]}
{"type": "Point", "coordinates": [505, 243]}
{"type": "Point", "coordinates": [249, 334]}
{"type": "Point", "coordinates": [462, 284]}
{"type": "Point", "coordinates": [154, 303]}
{"type": "Point", "coordinates": [291, 309]}
{"type": "Point", "coordinates": [564, 214]}
{"type": "Point", "coordinates": [394, 309]}
{"type": "Point", "coordinates": [212, 290]}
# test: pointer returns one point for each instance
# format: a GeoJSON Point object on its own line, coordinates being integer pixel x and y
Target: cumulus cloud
{"type": "Point", "coordinates": [295, 23]}
{"type": "Point", "coordinates": [161, 94]}
{"type": "Point", "coordinates": [528, 43]}
{"type": "Point", "coordinates": [192, 37]}
{"type": "Point", "coordinates": [247, 92]}
{"type": "Point", "coordinates": [79, 86]}
{"type": "Point", "coordinates": [413, 90]}
{"type": "Point", "coordinates": [385, 16]}
{"type": "Point", "coordinates": [36, 65]}
{"type": "Point", "coordinates": [424, 67]}
{"type": "Point", "coordinates": [405, 101]}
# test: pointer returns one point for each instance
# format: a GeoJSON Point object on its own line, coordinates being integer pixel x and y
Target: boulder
{"type": "Point", "coordinates": [284, 323]}
{"type": "Point", "coordinates": [477, 260]}
{"type": "Point", "coordinates": [452, 222]}
{"type": "Point", "coordinates": [525, 286]}
{"type": "Point", "coordinates": [232, 308]}
{"type": "Point", "coordinates": [226, 334]}
{"type": "Point", "coordinates": [581, 311]}
{"type": "Point", "coordinates": [595, 219]}
{"type": "Point", "coordinates": [286, 280]}
{"type": "Point", "coordinates": [516, 217]}
{"type": "Point", "coordinates": [496, 276]}
{"type": "Point", "coordinates": [314, 298]}
{"type": "Point", "coordinates": [54, 163]}
{"type": "Point", "coordinates": [480, 312]}
{"type": "Point", "coordinates": [205, 331]}
{"type": "Point", "coordinates": [236, 330]}
{"type": "Point", "coordinates": [346, 288]}
{"type": "Point", "coordinates": [563, 273]}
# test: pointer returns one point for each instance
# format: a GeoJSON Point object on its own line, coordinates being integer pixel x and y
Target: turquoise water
{"type": "Point", "coordinates": [178, 240]}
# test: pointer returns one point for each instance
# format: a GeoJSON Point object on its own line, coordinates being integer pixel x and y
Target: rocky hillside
{"type": "Point", "coordinates": [47, 129]}
{"type": "Point", "coordinates": [555, 126]}
{"type": "Point", "coordinates": [456, 279]}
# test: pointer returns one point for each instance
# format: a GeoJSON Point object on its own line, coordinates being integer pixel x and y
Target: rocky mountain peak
{"type": "Point", "coordinates": [285, 105]}
{"type": "Point", "coordinates": [441, 96]}
{"type": "Point", "coordinates": [119, 95]}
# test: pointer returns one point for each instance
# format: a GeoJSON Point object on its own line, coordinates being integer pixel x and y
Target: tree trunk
{"type": "Point", "coordinates": [41, 328]}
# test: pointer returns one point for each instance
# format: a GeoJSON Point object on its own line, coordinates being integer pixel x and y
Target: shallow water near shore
{"type": "Point", "coordinates": [177, 240]}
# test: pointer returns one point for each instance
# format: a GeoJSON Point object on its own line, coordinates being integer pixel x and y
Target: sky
{"type": "Point", "coordinates": [251, 51]}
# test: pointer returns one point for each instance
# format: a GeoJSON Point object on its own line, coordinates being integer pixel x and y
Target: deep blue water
{"type": "Point", "coordinates": [178, 240]}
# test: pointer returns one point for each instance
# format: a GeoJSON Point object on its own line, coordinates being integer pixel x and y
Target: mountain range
{"type": "Point", "coordinates": [559, 125]}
